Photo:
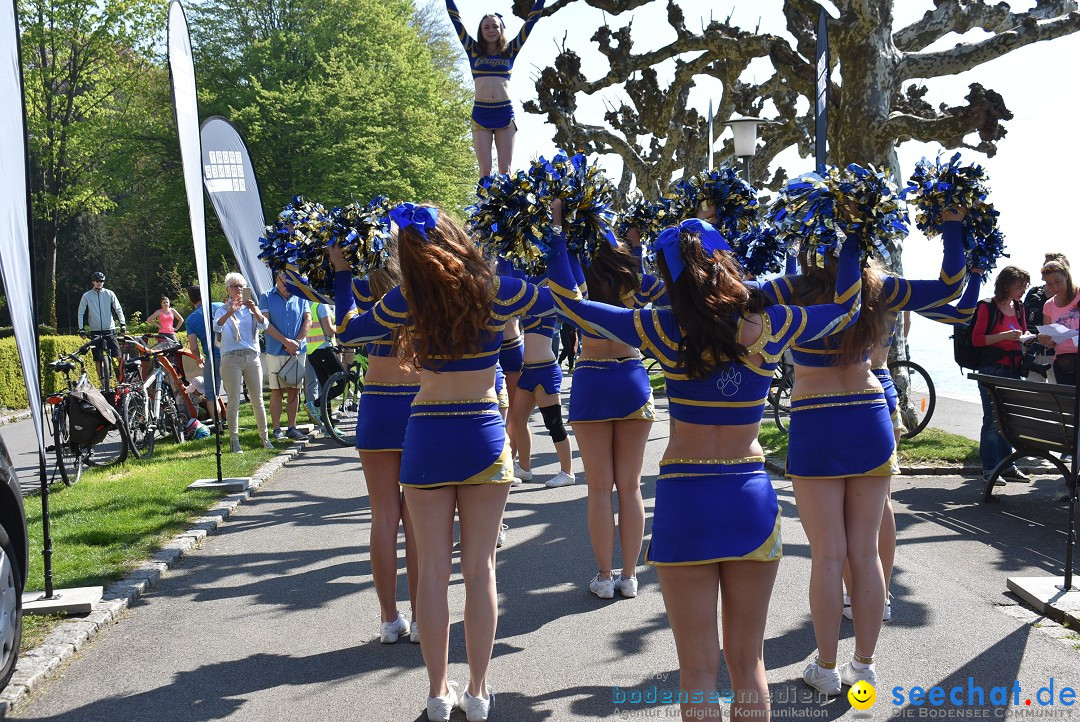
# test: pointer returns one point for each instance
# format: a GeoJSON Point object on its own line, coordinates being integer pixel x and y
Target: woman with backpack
{"type": "Point", "coordinates": [999, 325]}
{"type": "Point", "coordinates": [1062, 306]}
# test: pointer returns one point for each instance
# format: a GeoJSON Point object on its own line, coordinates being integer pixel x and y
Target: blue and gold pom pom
{"type": "Point", "coordinates": [297, 242]}
{"type": "Point", "coordinates": [936, 186]}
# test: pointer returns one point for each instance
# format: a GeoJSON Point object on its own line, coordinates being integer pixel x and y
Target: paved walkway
{"type": "Point", "coordinates": [275, 617]}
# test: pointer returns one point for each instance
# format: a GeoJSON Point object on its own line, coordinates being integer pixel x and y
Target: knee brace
{"type": "Point", "coordinates": [553, 421]}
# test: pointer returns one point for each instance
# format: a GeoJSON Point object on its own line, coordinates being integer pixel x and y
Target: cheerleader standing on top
{"type": "Point", "coordinates": [716, 522]}
{"type": "Point", "coordinates": [491, 60]}
{"type": "Point", "coordinates": [838, 404]}
{"type": "Point", "coordinates": [390, 384]}
{"type": "Point", "coordinates": [611, 410]}
{"type": "Point", "coordinates": [455, 453]}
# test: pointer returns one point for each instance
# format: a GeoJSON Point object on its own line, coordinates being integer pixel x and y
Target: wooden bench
{"type": "Point", "coordinates": [1036, 419]}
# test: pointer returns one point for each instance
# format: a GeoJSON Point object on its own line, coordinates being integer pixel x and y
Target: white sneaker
{"type": "Point", "coordinates": [603, 588]}
{"type": "Point", "coordinates": [561, 479]}
{"type": "Point", "coordinates": [523, 474]}
{"type": "Point", "coordinates": [439, 708]}
{"type": "Point", "coordinates": [414, 632]}
{"type": "Point", "coordinates": [390, 631]}
{"type": "Point", "coordinates": [884, 617]}
{"type": "Point", "coordinates": [826, 681]}
{"type": "Point", "coordinates": [267, 444]}
{"type": "Point", "coordinates": [515, 482]}
{"type": "Point", "coordinates": [234, 444]}
{"type": "Point", "coordinates": [627, 586]}
{"type": "Point", "coordinates": [477, 709]}
{"type": "Point", "coordinates": [502, 536]}
{"type": "Point", "coordinates": [850, 676]}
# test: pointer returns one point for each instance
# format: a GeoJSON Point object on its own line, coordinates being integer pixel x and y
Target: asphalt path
{"type": "Point", "coordinates": [275, 616]}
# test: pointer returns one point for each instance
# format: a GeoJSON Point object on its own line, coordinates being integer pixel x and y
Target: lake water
{"type": "Point", "coordinates": [931, 347]}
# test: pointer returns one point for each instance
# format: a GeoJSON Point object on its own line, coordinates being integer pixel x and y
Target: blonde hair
{"type": "Point", "coordinates": [1060, 264]}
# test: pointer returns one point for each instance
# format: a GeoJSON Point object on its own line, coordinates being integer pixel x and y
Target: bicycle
{"type": "Point", "coordinates": [73, 455]}
{"type": "Point", "coordinates": [916, 396]}
{"type": "Point", "coordinates": [340, 400]}
{"type": "Point", "coordinates": [98, 339]}
{"type": "Point", "coordinates": [148, 405]}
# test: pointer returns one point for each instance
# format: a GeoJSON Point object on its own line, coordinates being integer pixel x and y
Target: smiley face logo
{"type": "Point", "coordinates": [862, 695]}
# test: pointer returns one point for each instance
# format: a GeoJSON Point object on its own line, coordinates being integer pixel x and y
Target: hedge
{"type": "Point", "coordinates": [12, 386]}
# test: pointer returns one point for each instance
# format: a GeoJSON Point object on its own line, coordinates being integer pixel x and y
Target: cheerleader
{"type": "Point", "coordinates": [455, 453]}
{"type": "Point", "coordinates": [611, 411]}
{"type": "Point", "coordinates": [879, 366]}
{"type": "Point", "coordinates": [539, 385]}
{"type": "Point", "coordinates": [390, 384]}
{"type": "Point", "coordinates": [491, 60]}
{"type": "Point", "coordinates": [716, 524]}
{"type": "Point", "coordinates": [837, 403]}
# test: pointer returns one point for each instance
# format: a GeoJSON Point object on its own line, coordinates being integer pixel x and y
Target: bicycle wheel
{"type": "Point", "coordinates": [111, 450]}
{"type": "Point", "coordinates": [780, 398]}
{"type": "Point", "coordinates": [340, 400]}
{"type": "Point", "coordinates": [169, 423]}
{"type": "Point", "coordinates": [69, 458]}
{"type": "Point", "coordinates": [917, 398]}
{"type": "Point", "coordinates": [140, 430]}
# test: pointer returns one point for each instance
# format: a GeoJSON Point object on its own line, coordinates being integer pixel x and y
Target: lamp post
{"type": "Point", "coordinates": [745, 131]}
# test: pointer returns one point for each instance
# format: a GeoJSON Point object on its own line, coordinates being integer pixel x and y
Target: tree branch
{"type": "Point", "coordinates": [960, 16]}
{"type": "Point", "coordinates": [966, 56]}
{"type": "Point", "coordinates": [983, 114]}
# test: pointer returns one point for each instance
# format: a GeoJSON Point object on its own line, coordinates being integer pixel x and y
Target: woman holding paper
{"type": "Point", "coordinates": [1062, 307]}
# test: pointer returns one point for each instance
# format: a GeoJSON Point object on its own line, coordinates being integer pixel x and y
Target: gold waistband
{"type": "Point", "coordinates": [835, 394]}
{"type": "Point", "coordinates": [624, 359]}
{"type": "Point", "coordinates": [490, 400]}
{"type": "Point", "coordinates": [743, 460]}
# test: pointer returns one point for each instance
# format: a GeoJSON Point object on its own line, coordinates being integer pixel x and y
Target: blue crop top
{"type": "Point", "coordinates": [365, 301]}
{"type": "Point", "coordinates": [487, 66]}
{"type": "Point", "coordinates": [510, 297]}
{"type": "Point", "coordinates": [543, 325]}
{"type": "Point", "coordinates": [898, 293]}
{"type": "Point", "coordinates": [735, 392]}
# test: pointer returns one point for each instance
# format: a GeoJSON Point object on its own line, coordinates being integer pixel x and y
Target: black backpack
{"type": "Point", "coordinates": [1033, 306]}
{"type": "Point", "coordinates": [965, 353]}
{"type": "Point", "coordinates": [90, 417]}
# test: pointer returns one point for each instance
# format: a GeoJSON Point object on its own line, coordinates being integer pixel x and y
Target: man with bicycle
{"type": "Point", "coordinates": [99, 305]}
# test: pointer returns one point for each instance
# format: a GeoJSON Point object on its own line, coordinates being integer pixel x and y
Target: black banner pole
{"type": "Point", "coordinates": [821, 105]}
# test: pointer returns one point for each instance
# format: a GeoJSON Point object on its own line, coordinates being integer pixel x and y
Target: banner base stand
{"type": "Point", "coordinates": [1047, 596]}
{"type": "Point", "coordinates": [77, 600]}
{"type": "Point", "coordinates": [229, 483]}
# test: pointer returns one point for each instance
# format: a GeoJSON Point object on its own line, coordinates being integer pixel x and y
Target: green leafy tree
{"type": "Point", "coordinates": [338, 100]}
{"type": "Point", "coordinates": [83, 62]}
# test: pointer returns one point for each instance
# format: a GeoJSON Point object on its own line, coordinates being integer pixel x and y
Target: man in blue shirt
{"type": "Point", "coordinates": [199, 345]}
{"type": "Point", "coordinates": [286, 336]}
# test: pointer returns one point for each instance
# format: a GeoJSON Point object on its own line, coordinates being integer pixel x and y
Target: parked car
{"type": "Point", "coordinates": [14, 554]}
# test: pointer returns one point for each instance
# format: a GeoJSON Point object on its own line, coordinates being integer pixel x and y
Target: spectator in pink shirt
{"type": "Point", "coordinates": [1062, 299]}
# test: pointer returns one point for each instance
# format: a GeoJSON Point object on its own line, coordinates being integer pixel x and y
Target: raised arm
{"type": "Point", "coordinates": [964, 308]}
{"type": "Point", "coordinates": [523, 34]}
{"type": "Point", "coordinates": [354, 327]}
{"type": "Point", "coordinates": [813, 322]}
{"type": "Point", "coordinates": [596, 318]}
{"type": "Point", "coordinates": [904, 295]}
{"type": "Point", "coordinates": [455, 18]}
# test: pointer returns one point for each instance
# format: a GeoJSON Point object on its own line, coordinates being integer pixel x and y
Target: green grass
{"type": "Point", "coordinates": [116, 518]}
{"type": "Point", "coordinates": [932, 447]}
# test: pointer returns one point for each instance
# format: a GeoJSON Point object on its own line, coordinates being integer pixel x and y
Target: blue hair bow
{"type": "Point", "coordinates": [668, 243]}
{"type": "Point", "coordinates": [420, 217]}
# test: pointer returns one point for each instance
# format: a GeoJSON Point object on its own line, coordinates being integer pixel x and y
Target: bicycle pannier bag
{"type": "Point", "coordinates": [90, 417]}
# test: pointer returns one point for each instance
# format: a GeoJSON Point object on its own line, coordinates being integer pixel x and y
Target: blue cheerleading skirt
{"type": "Point", "coordinates": [834, 436]}
{"type": "Point", "coordinates": [455, 442]}
{"type": "Point", "coordinates": [492, 116]}
{"type": "Point", "coordinates": [512, 355]}
{"type": "Point", "coordinates": [542, 374]}
{"type": "Point", "coordinates": [714, 510]}
{"type": "Point", "coordinates": [382, 415]}
{"type": "Point", "coordinates": [610, 389]}
{"type": "Point", "coordinates": [891, 398]}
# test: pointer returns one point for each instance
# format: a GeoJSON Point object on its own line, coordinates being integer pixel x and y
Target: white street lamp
{"type": "Point", "coordinates": [745, 131]}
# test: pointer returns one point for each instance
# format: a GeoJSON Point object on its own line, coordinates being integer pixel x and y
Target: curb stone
{"type": "Point", "coordinates": [11, 417]}
{"type": "Point", "coordinates": [37, 665]}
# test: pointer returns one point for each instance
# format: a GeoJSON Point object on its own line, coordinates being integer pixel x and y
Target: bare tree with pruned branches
{"type": "Point", "coordinates": [878, 103]}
